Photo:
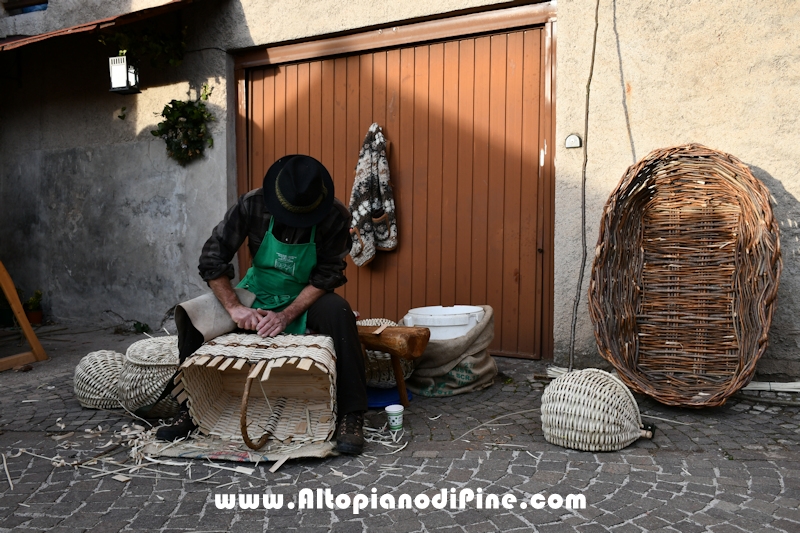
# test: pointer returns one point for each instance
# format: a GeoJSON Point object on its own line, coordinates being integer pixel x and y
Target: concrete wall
{"type": "Point", "coordinates": [723, 74]}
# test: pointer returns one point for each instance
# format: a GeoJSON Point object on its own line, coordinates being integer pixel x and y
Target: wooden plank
{"type": "Point", "coordinates": [339, 165]}
{"type": "Point", "coordinates": [404, 193]}
{"type": "Point", "coordinates": [480, 177]}
{"type": "Point", "coordinates": [290, 109]}
{"type": "Point", "coordinates": [496, 184]}
{"type": "Point", "coordinates": [530, 258]}
{"type": "Point", "coordinates": [450, 137]}
{"type": "Point", "coordinates": [269, 126]}
{"type": "Point", "coordinates": [242, 152]}
{"type": "Point", "coordinates": [358, 121]}
{"type": "Point", "coordinates": [258, 127]}
{"type": "Point", "coordinates": [512, 205]}
{"type": "Point", "coordinates": [304, 125]}
{"type": "Point", "coordinates": [315, 110]}
{"type": "Point", "coordinates": [214, 362]}
{"type": "Point", "coordinates": [435, 211]}
{"type": "Point", "coordinates": [380, 263]}
{"type": "Point", "coordinates": [419, 191]}
{"type": "Point", "coordinates": [37, 352]}
{"type": "Point", "coordinates": [225, 364]}
{"type": "Point", "coordinates": [466, 131]}
{"type": "Point", "coordinates": [257, 369]}
{"type": "Point", "coordinates": [279, 118]}
{"type": "Point", "coordinates": [391, 305]}
{"type": "Point", "coordinates": [362, 124]}
{"type": "Point", "coordinates": [327, 121]}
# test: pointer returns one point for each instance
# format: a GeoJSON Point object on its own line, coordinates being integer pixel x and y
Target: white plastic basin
{"type": "Point", "coordinates": [445, 322]}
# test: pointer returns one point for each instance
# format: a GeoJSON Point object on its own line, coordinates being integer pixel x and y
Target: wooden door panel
{"type": "Point", "coordinates": [464, 123]}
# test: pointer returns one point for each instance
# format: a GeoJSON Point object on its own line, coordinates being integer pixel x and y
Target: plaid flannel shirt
{"type": "Point", "coordinates": [249, 218]}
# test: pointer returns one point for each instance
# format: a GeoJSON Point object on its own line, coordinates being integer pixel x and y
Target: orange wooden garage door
{"type": "Point", "coordinates": [467, 120]}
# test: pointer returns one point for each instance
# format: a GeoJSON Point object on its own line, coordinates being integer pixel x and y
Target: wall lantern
{"type": "Point", "coordinates": [124, 76]}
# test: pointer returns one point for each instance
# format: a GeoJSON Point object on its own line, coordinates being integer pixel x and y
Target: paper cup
{"type": "Point", "coordinates": [395, 415]}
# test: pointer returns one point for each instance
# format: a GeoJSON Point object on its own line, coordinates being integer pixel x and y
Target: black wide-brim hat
{"type": "Point", "coordinates": [298, 191]}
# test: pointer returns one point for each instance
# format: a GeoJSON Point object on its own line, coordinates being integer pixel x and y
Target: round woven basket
{"type": "Point", "coordinates": [378, 365]}
{"type": "Point", "coordinates": [685, 276]}
{"type": "Point", "coordinates": [96, 377]}
{"type": "Point", "coordinates": [590, 410]}
{"type": "Point", "coordinates": [149, 365]}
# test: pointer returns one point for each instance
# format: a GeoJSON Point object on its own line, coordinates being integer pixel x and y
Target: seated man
{"type": "Point", "coordinates": [299, 236]}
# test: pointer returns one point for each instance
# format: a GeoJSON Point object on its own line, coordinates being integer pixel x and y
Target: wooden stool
{"type": "Point", "coordinates": [37, 353]}
{"type": "Point", "coordinates": [397, 341]}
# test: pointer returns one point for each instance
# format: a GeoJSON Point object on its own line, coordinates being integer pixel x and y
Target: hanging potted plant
{"type": "Point", "coordinates": [33, 309]}
{"type": "Point", "coordinates": [185, 127]}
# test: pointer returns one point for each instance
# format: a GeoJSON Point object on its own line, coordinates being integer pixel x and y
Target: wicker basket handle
{"type": "Point", "coordinates": [272, 423]}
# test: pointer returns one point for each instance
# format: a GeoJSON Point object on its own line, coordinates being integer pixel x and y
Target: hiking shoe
{"type": "Point", "coordinates": [181, 426]}
{"type": "Point", "coordinates": [350, 433]}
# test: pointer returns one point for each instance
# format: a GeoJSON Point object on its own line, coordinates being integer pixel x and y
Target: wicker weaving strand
{"type": "Point", "coordinates": [283, 388]}
{"type": "Point", "coordinates": [591, 410]}
{"type": "Point", "coordinates": [96, 377]}
{"type": "Point", "coordinates": [149, 365]}
{"type": "Point", "coordinates": [685, 275]}
{"type": "Point", "coordinates": [378, 365]}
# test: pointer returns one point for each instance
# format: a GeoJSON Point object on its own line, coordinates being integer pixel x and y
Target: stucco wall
{"type": "Point", "coordinates": [93, 211]}
{"type": "Point", "coordinates": [723, 74]}
{"type": "Point", "coordinates": [65, 13]}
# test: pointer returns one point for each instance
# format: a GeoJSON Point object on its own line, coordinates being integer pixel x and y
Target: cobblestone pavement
{"type": "Point", "coordinates": [727, 469]}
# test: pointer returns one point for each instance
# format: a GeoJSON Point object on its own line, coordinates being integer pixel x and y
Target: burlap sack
{"type": "Point", "coordinates": [455, 366]}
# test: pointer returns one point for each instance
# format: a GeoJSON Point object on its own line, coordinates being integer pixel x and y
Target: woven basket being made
{"type": "Point", "coordinates": [149, 365]}
{"type": "Point", "coordinates": [281, 388]}
{"type": "Point", "coordinates": [591, 410]}
{"type": "Point", "coordinates": [96, 378]}
{"type": "Point", "coordinates": [380, 373]}
{"type": "Point", "coordinates": [685, 275]}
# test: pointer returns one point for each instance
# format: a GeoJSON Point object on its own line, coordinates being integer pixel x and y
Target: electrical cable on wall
{"type": "Point", "coordinates": [583, 194]}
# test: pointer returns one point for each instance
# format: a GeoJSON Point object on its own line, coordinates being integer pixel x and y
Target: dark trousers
{"type": "Point", "coordinates": [329, 315]}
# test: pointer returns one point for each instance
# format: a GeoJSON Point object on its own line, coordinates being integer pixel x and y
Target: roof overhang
{"type": "Point", "coordinates": [11, 43]}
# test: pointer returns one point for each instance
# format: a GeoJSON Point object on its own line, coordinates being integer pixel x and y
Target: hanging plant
{"type": "Point", "coordinates": [185, 128]}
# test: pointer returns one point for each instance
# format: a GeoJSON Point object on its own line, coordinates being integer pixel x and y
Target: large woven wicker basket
{"type": "Point", "coordinates": [591, 410]}
{"type": "Point", "coordinates": [685, 276]}
{"type": "Point", "coordinates": [282, 388]}
{"type": "Point", "coordinates": [149, 365]}
{"type": "Point", "coordinates": [96, 377]}
{"type": "Point", "coordinates": [378, 365]}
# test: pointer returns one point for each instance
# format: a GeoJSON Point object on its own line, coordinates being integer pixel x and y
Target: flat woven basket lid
{"type": "Point", "coordinates": [590, 410]}
{"type": "Point", "coordinates": [154, 351]}
{"type": "Point", "coordinates": [291, 397]}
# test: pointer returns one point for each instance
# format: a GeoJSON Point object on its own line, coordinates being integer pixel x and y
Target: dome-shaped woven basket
{"type": "Point", "coordinates": [282, 388]}
{"type": "Point", "coordinates": [380, 373]}
{"type": "Point", "coordinates": [96, 378]}
{"type": "Point", "coordinates": [685, 276]}
{"type": "Point", "coordinates": [590, 410]}
{"type": "Point", "coordinates": [149, 365]}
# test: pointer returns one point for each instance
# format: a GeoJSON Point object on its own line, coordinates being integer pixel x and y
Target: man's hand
{"type": "Point", "coordinates": [245, 317]}
{"type": "Point", "coordinates": [271, 323]}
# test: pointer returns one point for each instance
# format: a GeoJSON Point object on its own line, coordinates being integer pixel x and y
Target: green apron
{"type": "Point", "coordinates": [279, 272]}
